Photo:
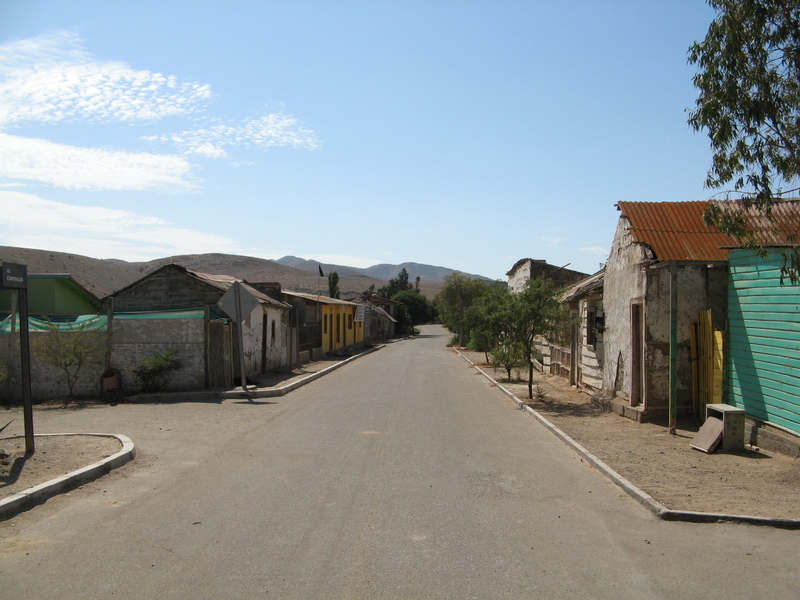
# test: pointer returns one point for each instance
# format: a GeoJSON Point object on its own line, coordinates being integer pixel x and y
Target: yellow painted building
{"type": "Point", "coordinates": [340, 324]}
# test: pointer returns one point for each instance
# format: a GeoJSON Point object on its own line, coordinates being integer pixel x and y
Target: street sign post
{"type": "Point", "coordinates": [15, 277]}
{"type": "Point", "coordinates": [238, 303]}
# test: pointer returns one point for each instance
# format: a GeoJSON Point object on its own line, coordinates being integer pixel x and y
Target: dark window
{"type": "Point", "coordinates": [591, 327]}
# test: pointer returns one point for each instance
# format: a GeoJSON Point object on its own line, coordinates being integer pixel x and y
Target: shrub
{"type": "Point", "coordinates": [70, 350]}
{"type": "Point", "coordinates": [153, 372]}
{"type": "Point", "coordinates": [506, 356]}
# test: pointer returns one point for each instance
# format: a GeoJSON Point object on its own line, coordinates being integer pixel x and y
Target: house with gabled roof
{"type": "Point", "coordinates": [667, 267]}
{"type": "Point", "coordinates": [57, 295]}
{"type": "Point", "coordinates": [658, 247]}
{"type": "Point", "coordinates": [207, 345]}
{"type": "Point", "coordinates": [579, 355]}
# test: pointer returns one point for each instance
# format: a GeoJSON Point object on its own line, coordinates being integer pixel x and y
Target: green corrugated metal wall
{"type": "Point", "coordinates": [763, 340]}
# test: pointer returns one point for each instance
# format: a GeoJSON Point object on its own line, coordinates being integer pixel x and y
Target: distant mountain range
{"type": "Point", "coordinates": [103, 277]}
{"type": "Point", "coordinates": [383, 271]}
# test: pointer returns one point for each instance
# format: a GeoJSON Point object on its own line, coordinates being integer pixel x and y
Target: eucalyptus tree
{"type": "Point", "coordinates": [748, 81]}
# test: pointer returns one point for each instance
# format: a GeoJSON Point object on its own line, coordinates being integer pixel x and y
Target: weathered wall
{"type": "Point", "coordinates": [699, 288]}
{"type": "Point", "coordinates": [135, 339]}
{"type": "Point", "coordinates": [132, 341]}
{"type": "Point", "coordinates": [168, 288]}
{"type": "Point", "coordinates": [276, 345]}
{"type": "Point", "coordinates": [591, 357]}
{"type": "Point", "coordinates": [517, 277]}
{"type": "Point", "coordinates": [623, 283]}
{"type": "Point", "coordinates": [633, 276]}
{"type": "Point", "coordinates": [48, 381]}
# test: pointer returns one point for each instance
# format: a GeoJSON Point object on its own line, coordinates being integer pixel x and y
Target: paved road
{"type": "Point", "coordinates": [401, 475]}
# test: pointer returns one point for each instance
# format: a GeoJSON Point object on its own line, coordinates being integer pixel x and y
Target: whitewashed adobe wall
{"type": "Point", "coordinates": [623, 284]}
{"type": "Point", "coordinates": [517, 277]}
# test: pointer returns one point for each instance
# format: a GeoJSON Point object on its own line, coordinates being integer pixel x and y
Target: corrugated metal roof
{"type": "Point", "coordinates": [676, 231]}
{"type": "Point", "coordinates": [780, 228]}
{"type": "Point", "coordinates": [591, 285]}
{"type": "Point", "coordinates": [322, 299]}
{"type": "Point", "coordinates": [224, 282]}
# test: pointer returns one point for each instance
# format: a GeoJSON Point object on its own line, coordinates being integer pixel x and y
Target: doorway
{"type": "Point", "coordinates": [637, 354]}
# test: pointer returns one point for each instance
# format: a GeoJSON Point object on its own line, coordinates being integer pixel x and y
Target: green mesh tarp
{"type": "Point", "coordinates": [96, 322]}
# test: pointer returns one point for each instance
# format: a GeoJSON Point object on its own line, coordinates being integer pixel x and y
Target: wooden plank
{"type": "Point", "coordinates": [717, 369]}
{"type": "Point", "coordinates": [695, 382]}
{"type": "Point", "coordinates": [708, 436]}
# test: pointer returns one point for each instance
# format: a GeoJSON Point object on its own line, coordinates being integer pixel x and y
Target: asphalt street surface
{"type": "Point", "coordinates": [402, 475]}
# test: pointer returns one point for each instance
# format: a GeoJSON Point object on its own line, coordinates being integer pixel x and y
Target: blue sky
{"type": "Point", "coordinates": [465, 134]}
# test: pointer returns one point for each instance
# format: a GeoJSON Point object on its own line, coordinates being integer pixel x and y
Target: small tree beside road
{"type": "Point", "coordinates": [70, 350]}
{"type": "Point", "coordinates": [535, 313]}
{"type": "Point", "coordinates": [453, 300]}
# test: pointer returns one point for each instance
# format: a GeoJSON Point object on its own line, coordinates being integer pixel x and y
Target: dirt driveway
{"type": "Point", "coordinates": [752, 482]}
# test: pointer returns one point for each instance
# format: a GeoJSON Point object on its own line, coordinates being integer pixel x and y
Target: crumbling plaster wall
{"type": "Point", "coordinates": [519, 276]}
{"type": "Point", "coordinates": [277, 342]}
{"type": "Point", "coordinates": [623, 284]}
{"type": "Point", "coordinates": [700, 288]}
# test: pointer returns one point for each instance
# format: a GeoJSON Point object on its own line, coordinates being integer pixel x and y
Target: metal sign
{"type": "Point", "coordinates": [237, 302]}
{"type": "Point", "coordinates": [15, 276]}
{"type": "Point", "coordinates": [360, 313]}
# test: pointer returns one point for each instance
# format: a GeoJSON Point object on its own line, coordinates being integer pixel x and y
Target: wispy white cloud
{"type": "Point", "coordinates": [29, 221]}
{"type": "Point", "coordinates": [52, 79]}
{"type": "Point", "coordinates": [595, 250]}
{"type": "Point", "coordinates": [90, 168]}
{"type": "Point", "coordinates": [260, 133]}
{"type": "Point", "coordinates": [553, 241]}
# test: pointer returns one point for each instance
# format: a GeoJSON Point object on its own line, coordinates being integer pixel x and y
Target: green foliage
{"type": "Point", "coordinates": [420, 309]}
{"type": "Point", "coordinates": [486, 319]}
{"type": "Point", "coordinates": [69, 350]}
{"type": "Point", "coordinates": [154, 371]}
{"type": "Point", "coordinates": [333, 285]}
{"type": "Point", "coordinates": [506, 356]}
{"type": "Point", "coordinates": [749, 103]}
{"type": "Point", "coordinates": [453, 300]}
{"type": "Point", "coordinates": [535, 313]}
{"type": "Point", "coordinates": [396, 285]}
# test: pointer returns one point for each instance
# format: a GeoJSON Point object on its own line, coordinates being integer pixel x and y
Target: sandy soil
{"type": "Point", "coordinates": [751, 482]}
{"type": "Point", "coordinates": [54, 456]}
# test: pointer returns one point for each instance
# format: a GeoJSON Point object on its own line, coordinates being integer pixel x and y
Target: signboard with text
{"type": "Point", "coordinates": [14, 276]}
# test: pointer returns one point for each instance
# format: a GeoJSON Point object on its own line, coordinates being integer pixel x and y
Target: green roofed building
{"type": "Point", "coordinates": [52, 294]}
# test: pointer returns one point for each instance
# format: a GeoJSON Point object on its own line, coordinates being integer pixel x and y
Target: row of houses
{"type": "Point", "coordinates": [735, 322]}
{"type": "Point", "coordinates": [177, 308]}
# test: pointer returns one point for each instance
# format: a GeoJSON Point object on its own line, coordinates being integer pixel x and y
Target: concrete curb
{"type": "Point", "coordinates": [26, 499]}
{"type": "Point", "coordinates": [238, 394]}
{"type": "Point", "coordinates": [646, 500]}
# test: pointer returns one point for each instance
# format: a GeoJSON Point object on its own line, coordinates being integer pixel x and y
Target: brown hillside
{"type": "Point", "coordinates": [105, 276]}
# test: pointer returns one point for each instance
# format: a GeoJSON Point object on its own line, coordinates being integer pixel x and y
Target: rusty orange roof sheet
{"type": "Point", "coordinates": [676, 231]}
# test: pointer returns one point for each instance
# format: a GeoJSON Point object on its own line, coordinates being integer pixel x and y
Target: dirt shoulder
{"type": "Point", "coordinates": [55, 455]}
{"type": "Point", "coordinates": [752, 482]}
